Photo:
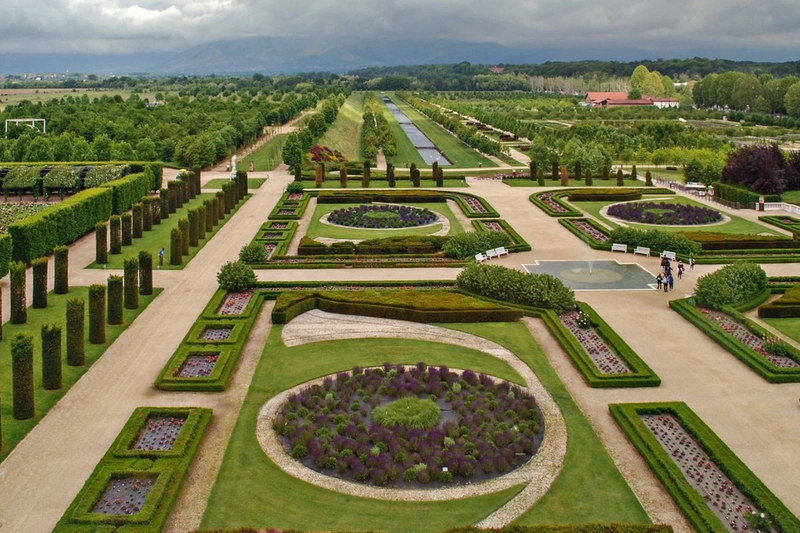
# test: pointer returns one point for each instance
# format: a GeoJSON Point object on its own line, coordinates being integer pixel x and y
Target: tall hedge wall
{"type": "Point", "coordinates": [38, 235]}
{"type": "Point", "coordinates": [127, 191]}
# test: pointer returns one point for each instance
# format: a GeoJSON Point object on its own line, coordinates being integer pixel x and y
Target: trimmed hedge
{"type": "Point", "coordinates": [169, 468]}
{"type": "Point", "coordinates": [137, 210]}
{"type": "Point", "coordinates": [745, 197]}
{"type": "Point", "coordinates": [787, 306]}
{"type": "Point", "coordinates": [76, 320]}
{"type": "Point", "coordinates": [194, 230]}
{"type": "Point", "coordinates": [183, 225]}
{"type": "Point", "coordinates": [115, 231]}
{"type": "Point", "coordinates": [571, 528]}
{"type": "Point", "coordinates": [145, 272]}
{"type": "Point", "coordinates": [425, 306]}
{"type": "Point", "coordinates": [656, 240]}
{"type": "Point", "coordinates": [690, 502]}
{"type": "Point", "coordinates": [557, 198]}
{"type": "Point", "coordinates": [127, 191]}
{"type": "Point", "coordinates": [37, 235]}
{"type": "Point", "coordinates": [97, 313]}
{"type": "Point", "coordinates": [114, 299]}
{"type": "Point", "coordinates": [738, 349]}
{"type": "Point", "coordinates": [147, 213]}
{"type": "Point", "coordinates": [131, 273]}
{"type": "Point", "coordinates": [127, 229]}
{"type": "Point", "coordinates": [570, 224]}
{"type": "Point", "coordinates": [22, 376]}
{"type": "Point", "coordinates": [5, 253]}
{"type": "Point", "coordinates": [517, 243]}
{"type": "Point", "coordinates": [51, 357]}
{"type": "Point", "coordinates": [176, 247]}
{"type": "Point", "coordinates": [61, 267]}
{"type": "Point", "coordinates": [101, 243]}
{"type": "Point", "coordinates": [730, 284]}
{"type": "Point", "coordinates": [39, 282]}
{"type": "Point", "coordinates": [19, 304]}
{"type": "Point", "coordinates": [604, 195]}
{"type": "Point", "coordinates": [725, 241]}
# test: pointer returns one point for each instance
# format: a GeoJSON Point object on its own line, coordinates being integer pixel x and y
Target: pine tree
{"type": "Point", "coordinates": [201, 222]}
{"type": "Point", "coordinates": [175, 247]}
{"type": "Point", "coordinates": [554, 172]}
{"type": "Point", "coordinates": [648, 179]}
{"type": "Point", "coordinates": [138, 220]}
{"type": "Point", "coordinates": [147, 213]}
{"type": "Point", "coordinates": [578, 175]}
{"type": "Point", "coordinates": [540, 177]}
{"type": "Point", "coordinates": [127, 229]}
{"type": "Point", "coordinates": [194, 231]}
{"type": "Point", "coordinates": [619, 178]}
{"type": "Point", "coordinates": [588, 177]}
{"type": "Point", "coordinates": [343, 176]}
{"type": "Point", "coordinates": [164, 203]}
{"type": "Point", "coordinates": [183, 225]}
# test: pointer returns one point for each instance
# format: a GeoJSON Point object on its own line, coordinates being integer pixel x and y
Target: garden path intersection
{"type": "Point", "coordinates": [757, 420]}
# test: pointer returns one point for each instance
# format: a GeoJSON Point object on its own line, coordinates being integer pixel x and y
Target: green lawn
{"type": "Point", "coordinates": [251, 491]}
{"type": "Point", "coordinates": [252, 183]}
{"type": "Point", "coordinates": [792, 197]}
{"type": "Point", "coordinates": [266, 158]}
{"type": "Point", "coordinates": [159, 237]}
{"type": "Point", "coordinates": [345, 132]}
{"type": "Point", "coordinates": [406, 153]}
{"type": "Point", "coordinates": [459, 154]}
{"type": "Point", "coordinates": [788, 326]}
{"type": "Point", "coordinates": [318, 229]}
{"type": "Point", "coordinates": [55, 313]}
{"type": "Point", "coordinates": [589, 489]}
{"type": "Point", "coordinates": [736, 225]}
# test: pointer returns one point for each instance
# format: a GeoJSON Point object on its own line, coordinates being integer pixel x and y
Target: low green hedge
{"type": "Point", "coordinates": [746, 197]}
{"type": "Point", "coordinates": [557, 197]}
{"type": "Point", "coordinates": [518, 244]}
{"type": "Point", "coordinates": [272, 289]}
{"type": "Point", "coordinates": [570, 224]}
{"type": "Point", "coordinates": [713, 241]}
{"type": "Point", "coordinates": [37, 235]}
{"type": "Point", "coordinates": [460, 199]}
{"type": "Point", "coordinates": [298, 207]}
{"type": "Point", "coordinates": [738, 349]}
{"type": "Point", "coordinates": [228, 350]}
{"type": "Point", "coordinates": [784, 222]}
{"type": "Point", "coordinates": [367, 197]}
{"type": "Point", "coordinates": [691, 503]}
{"type": "Point", "coordinates": [641, 375]}
{"type": "Point", "coordinates": [604, 195]}
{"type": "Point", "coordinates": [425, 306]}
{"type": "Point", "coordinates": [787, 306]}
{"type": "Point", "coordinates": [168, 468]}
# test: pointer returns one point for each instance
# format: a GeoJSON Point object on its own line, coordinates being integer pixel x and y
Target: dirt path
{"type": "Point", "coordinates": [43, 474]}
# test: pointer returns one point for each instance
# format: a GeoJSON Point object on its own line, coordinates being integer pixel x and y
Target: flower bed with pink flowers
{"type": "Point", "coordinates": [596, 348]}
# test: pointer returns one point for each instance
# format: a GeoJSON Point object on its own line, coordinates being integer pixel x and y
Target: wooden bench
{"type": "Point", "coordinates": [642, 250]}
{"type": "Point", "coordinates": [669, 255]}
{"type": "Point", "coordinates": [617, 247]}
{"type": "Point", "coordinates": [480, 258]}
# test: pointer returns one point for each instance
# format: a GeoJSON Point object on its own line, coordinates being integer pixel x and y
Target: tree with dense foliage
{"type": "Point", "coordinates": [733, 283]}
{"type": "Point", "coordinates": [292, 152]}
{"type": "Point", "coordinates": [235, 276]}
{"type": "Point", "coordinates": [146, 272]}
{"type": "Point", "coordinates": [510, 285]}
{"type": "Point", "coordinates": [176, 247]}
{"type": "Point", "coordinates": [759, 168]}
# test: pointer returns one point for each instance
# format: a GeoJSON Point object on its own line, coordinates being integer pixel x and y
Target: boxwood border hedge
{"type": "Point", "coordinates": [690, 502]}
{"type": "Point", "coordinates": [745, 354]}
{"type": "Point", "coordinates": [169, 469]}
{"type": "Point", "coordinates": [518, 244]}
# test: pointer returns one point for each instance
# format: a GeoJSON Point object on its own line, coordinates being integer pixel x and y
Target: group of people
{"type": "Point", "coordinates": [664, 279]}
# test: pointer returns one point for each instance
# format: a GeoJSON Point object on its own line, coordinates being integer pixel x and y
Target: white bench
{"type": "Point", "coordinates": [617, 247]}
{"type": "Point", "coordinates": [642, 250]}
{"type": "Point", "coordinates": [491, 254]}
{"type": "Point", "coordinates": [480, 258]}
{"type": "Point", "coordinates": [669, 255]}
{"type": "Point", "coordinates": [501, 251]}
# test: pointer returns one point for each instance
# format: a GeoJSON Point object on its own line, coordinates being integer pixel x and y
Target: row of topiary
{"type": "Point", "coordinates": [692, 503]}
{"type": "Point", "coordinates": [162, 470]}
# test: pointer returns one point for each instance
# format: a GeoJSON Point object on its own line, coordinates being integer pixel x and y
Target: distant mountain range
{"type": "Point", "coordinates": [290, 55]}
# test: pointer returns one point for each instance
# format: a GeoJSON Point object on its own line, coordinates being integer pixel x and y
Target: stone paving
{"type": "Point", "coordinates": [755, 419]}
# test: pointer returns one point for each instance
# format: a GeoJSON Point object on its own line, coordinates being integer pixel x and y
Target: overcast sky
{"type": "Point", "coordinates": [770, 29]}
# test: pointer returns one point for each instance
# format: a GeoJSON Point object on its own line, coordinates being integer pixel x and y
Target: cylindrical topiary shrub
{"type": "Point", "coordinates": [97, 313]}
{"type": "Point", "coordinates": [588, 177]}
{"type": "Point", "coordinates": [227, 190]}
{"type": "Point", "coordinates": [61, 268]}
{"type": "Point", "coordinates": [343, 176]}
{"type": "Point", "coordinates": [197, 174]}
{"type": "Point", "coordinates": [147, 213]}
{"type": "Point", "coordinates": [127, 229]}
{"type": "Point", "coordinates": [19, 304]}
{"type": "Point", "coordinates": [51, 357]}
{"type": "Point", "coordinates": [22, 376]}
{"type": "Point", "coordinates": [39, 282]}
{"type": "Point", "coordinates": [114, 299]}
{"type": "Point", "coordinates": [648, 179]}
{"type": "Point", "coordinates": [145, 272]}
{"type": "Point", "coordinates": [115, 230]}
{"type": "Point", "coordinates": [220, 198]}
{"type": "Point", "coordinates": [131, 272]}
{"type": "Point", "coordinates": [164, 204]}
{"type": "Point", "coordinates": [540, 177]}
{"type": "Point", "coordinates": [175, 247]}
{"type": "Point", "coordinates": [76, 327]}
{"type": "Point", "coordinates": [138, 222]}
{"type": "Point", "coordinates": [194, 231]}
{"type": "Point", "coordinates": [155, 210]}
{"type": "Point", "coordinates": [184, 189]}
{"type": "Point", "coordinates": [101, 243]}
{"type": "Point", "coordinates": [620, 183]}
{"type": "Point", "coordinates": [211, 215]}
{"type": "Point", "coordinates": [201, 222]}
{"type": "Point", "coordinates": [174, 195]}
{"type": "Point", "coordinates": [183, 224]}
{"type": "Point", "coordinates": [578, 174]}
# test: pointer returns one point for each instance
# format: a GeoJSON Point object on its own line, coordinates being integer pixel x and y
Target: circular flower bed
{"type": "Point", "coordinates": [382, 216]}
{"type": "Point", "coordinates": [398, 426]}
{"type": "Point", "coordinates": [664, 213]}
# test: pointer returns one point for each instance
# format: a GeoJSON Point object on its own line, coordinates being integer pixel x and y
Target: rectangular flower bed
{"type": "Point", "coordinates": [473, 206]}
{"type": "Point", "coordinates": [215, 332]}
{"type": "Point", "coordinates": [199, 369]}
{"type": "Point", "coordinates": [128, 443]}
{"type": "Point", "coordinates": [648, 428]}
{"type": "Point", "coordinates": [135, 489]}
{"type": "Point", "coordinates": [223, 306]}
{"type": "Point", "coordinates": [739, 347]}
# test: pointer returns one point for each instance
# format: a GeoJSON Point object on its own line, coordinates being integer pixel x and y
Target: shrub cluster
{"type": "Point", "coordinates": [466, 245]}
{"type": "Point", "coordinates": [235, 276]}
{"type": "Point", "coordinates": [733, 283]}
{"type": "Point", "coordinates": [509, 285]}
{"type": "Point", "coordinates": [655, 240]}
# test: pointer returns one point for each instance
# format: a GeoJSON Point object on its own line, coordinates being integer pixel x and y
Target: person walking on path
{"type": "Point", "coordinates": [161, 257]}
{"type": "Point", "coordinates": [659, 281]}
{"type": "Point", "coordinates": [670, 281]}
{"type": "Point", "coordinates": [691, 263]}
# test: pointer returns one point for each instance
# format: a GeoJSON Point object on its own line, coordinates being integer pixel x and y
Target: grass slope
{"type": "Point", "coordinates": [55, 313]}
{"type": "Point", "coordinates": [267, 157]}
{"type": "Point", "coordinates": [345, 132]}
{"type": "Point", "coordinates": [251, 491]}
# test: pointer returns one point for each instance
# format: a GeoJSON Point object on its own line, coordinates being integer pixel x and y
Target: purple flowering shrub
{"type": "Point", "coordinates": [488, 427]}
{"type": "Point", "coordinates": [382, 216]}
{"type": "Point", "coordinates": [665, 213]}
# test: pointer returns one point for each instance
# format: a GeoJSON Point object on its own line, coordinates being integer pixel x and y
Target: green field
{"type": "Point", "coordinates": [459, 154]}
{"type": "Point", "coordinates": [736, 225]}
{"type": "Point", "coordinates": [318, 229]}
{"type": "Point", "coordinates": [13, 431]}
{"type": "Point", "coordinates": [267, 157]}
{"type": "Point", "coordinates": [788, 326]}
{"type": "Point", "coordinates": [344, 134]}
{"type": "Point", "coordinates": [252, 491]}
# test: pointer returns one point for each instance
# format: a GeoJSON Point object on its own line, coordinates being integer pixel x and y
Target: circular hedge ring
{"type": "Point", "coordinates": [663, 213]}
{"type": "Point", "coordinates": [411, 426]}
{"type": "Point", "coordinates": [382, 216]}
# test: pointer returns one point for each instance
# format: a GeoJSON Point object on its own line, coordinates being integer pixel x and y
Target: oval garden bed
{"type": "Point", "coordinates": [665, 213]}
{"type": "Point", "coordinates": [382, 216]}
{"type": "Point", "coordinates": [411, 427]}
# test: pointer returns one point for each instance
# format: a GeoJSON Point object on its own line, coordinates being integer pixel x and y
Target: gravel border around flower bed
{"type": "Point", "coordinates": [539, 473]}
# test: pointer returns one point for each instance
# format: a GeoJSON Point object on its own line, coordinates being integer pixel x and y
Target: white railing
{"type": "Point", "coordinates": [780, 206]}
